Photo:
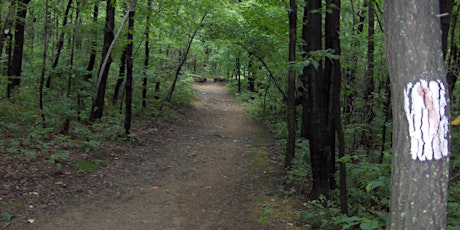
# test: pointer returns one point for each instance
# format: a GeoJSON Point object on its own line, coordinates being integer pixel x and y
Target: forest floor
{"type": "Point", "coordinates": [211, 168]}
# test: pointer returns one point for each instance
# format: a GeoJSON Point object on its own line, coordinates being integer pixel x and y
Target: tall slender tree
{"type": "Point", "coordinates": [129, 68]}
{"type": "Point", "coordinates": [291, 114]}
{"type": "Point", "coordinates": [14, 75]}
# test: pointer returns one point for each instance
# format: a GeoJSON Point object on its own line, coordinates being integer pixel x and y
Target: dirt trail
{"type": "Point", "coordinates": [202, 178]}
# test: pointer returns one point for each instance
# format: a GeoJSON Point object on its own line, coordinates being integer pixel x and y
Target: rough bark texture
{"type": "Point", "coordinates": [418, 188]}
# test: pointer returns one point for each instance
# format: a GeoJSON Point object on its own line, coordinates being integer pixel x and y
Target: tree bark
{"type": "Point", "coordinates": [184, 58]}
{"type": "Point", "coordinates": [60, 43]}
{"type": "Point", "coordinates": [291, 115]}
{"type": "Point", "coordinates": [367, 133]}
{"type": "Point", "coordinates": [18, 47]}
{"type": "Point", "coordinates": [97, 107]}
{"type": "Point", "coordinates": [92, 56]}
{"type": "Point", "coordinates": [333, 75]}
{"type": "Point", "coordinates": [420, 163]}
{"type": "Point", "coordinates": [317, 104]}
{"type": "Point", "coordinates": [129, 68]}
{"type": "Point", "coordinates": [121, 75]}
{"type": "Point", "coordinates": [147, 56]}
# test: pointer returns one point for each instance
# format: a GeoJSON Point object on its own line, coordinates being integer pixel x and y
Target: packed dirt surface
{"type": "Point", "coordinates": [200, 172]}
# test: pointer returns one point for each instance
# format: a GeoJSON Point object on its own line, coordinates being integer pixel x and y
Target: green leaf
{"type": "Point", "coordinates": [376, 183]}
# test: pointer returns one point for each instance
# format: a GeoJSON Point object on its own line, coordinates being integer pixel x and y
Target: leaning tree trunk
{"type": "Point", "coordinates": [420, 164]}
{"type": "Point", "coordinates": [16, 63]}
{"type": "Point", "coordinates": [97, 107]}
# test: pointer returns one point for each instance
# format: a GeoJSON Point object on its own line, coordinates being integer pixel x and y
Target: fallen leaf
{"type": "Point", "coordinates": [456, 121]}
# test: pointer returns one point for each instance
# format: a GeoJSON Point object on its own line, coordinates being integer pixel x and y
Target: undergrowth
{"type": "Point", "coordinates": [63, 128]}
{"type": "Point", "coordinates": [368, 182]}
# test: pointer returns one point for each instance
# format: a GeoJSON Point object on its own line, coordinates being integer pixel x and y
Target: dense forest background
{"type": "Point", "coordinates": [75, 73]}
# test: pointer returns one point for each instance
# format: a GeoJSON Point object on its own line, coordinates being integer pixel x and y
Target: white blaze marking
{"type": "Point", "coordinates": [425, 104]}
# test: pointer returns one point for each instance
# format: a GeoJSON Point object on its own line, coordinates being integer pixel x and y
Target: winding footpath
{"type": "Point", "coordinates": [202, 179]}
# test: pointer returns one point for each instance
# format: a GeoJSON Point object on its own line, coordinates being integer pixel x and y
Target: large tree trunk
{"type": "Point", "coordinates": [317, 104]}
{"type": "Point", "coordinates": [420, 164]}
{"type": "Point", "coordinates": [98, 103]}
{"type": "Point", "coordinates": [129, 68]}
{"type": "Point", "coordinates": [18, 47]}
{"type": "Point", "coordinates": [291, 115]}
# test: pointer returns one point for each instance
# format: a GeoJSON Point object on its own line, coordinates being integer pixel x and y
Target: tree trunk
{"type": "Point", "coordinates": [6, 24]}
{"type": "Point", "coordinates": [92, 56]}
{"type": "Point", "coordinates": [129, 68]}
{"type": "Point", "coordinates": [291, 115]}
{"type": "Point", "coordinates": [60, 43]}
{"type": "Point", "coordinates": [97, 107]}
{"type": "Point", "coordinates": [43, 70]}
{"type": "Point", "coordinates": [320, 148]}
{"type": "Point", "coordinates": [333, 75]}
{"type": "Point", "coordinates": [420, 163]}
{"type": "Point", "coordinates": [367, 133]}
{"type": "Point", "coordinates": [18, 47]}
{"type": "Point", "coordinates": [121, 75]}
{"type": "Point", "coordinates": [184, 58]}
{"type": "Point", "coordinates": [147, 56]}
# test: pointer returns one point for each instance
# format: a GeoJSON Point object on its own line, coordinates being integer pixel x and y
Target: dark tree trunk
{"type": "Point", "coordinates": [43, 70]}
{"type": "Point", "coordinates": [184, 58]}
{"type": "Point", "coordinates": [92, 56]}
{"type": "Point", "coordinates": [251, 78]}
{"type": "Point", "coordinates": [291, 115]}
{"type": "Point", "coordinates": [147, 56]}
{"type": "Point", "coordinates": [333, 75]}
{"type": "Point", "coordinates": [420, 164]}
{"type": "Point", "coordinates": [60, 43]}
{"type": "Point", "coordinates": [367, 133]}
{"type": "Point", "coordinates": [129, 68]}
{"type": "Point", "coordinates": [318, 90]}
{"type": "Point", "coordinates": [98, 103]}
{"type": "Point", "coordinates": [18, 47]}
{"type": "Point", "coordinates": [238, 73]}
{"type": "Point", "coordinates": [121, 75]}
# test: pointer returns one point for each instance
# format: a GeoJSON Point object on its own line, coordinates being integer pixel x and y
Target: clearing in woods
{"type": "Point", "coordinates": [202, 172]}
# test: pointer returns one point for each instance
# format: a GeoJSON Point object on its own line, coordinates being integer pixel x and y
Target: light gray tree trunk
{"type": "Point", "coordinates": [420, 162]}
